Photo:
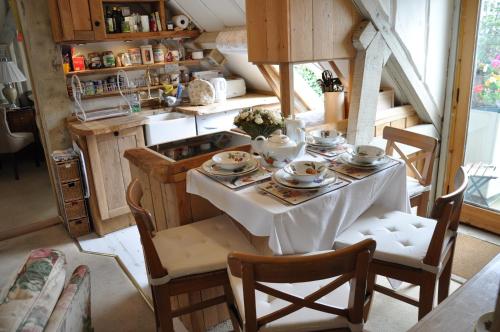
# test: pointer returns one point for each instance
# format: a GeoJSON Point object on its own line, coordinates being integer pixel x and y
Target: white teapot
{"type": "Point", "coordinates": [277, 150]}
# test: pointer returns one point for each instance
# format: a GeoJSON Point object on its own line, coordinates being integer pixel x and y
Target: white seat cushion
{"type": "Point", "coordinates": [414, 188]}
{"type": "Point", "coordinates": [401, 238]}
{"type": "Point", "coordinates": [199, 247]}
{"type": "Point", "coordinates": [304, 319]}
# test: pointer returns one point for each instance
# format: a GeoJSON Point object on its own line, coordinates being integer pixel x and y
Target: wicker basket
{"type": "Point", "coordinates": [68, 170]}
{"type": "Point", "coordinates": [78, 227]}
{"type": "Point", "coordinates": [72, 191]}
{"type": "Point", "coordinates": [75, 209]}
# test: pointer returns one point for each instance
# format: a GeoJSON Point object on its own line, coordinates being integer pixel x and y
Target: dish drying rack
{"type": "Point", "coordinates": [130, 101]}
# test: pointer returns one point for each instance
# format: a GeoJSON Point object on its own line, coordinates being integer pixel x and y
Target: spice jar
{"type": "Point", "coordinates": [125, 59]}
{"type": "Point", "coordinates": [159, 53]}
{"type": "Point", "coordinates": [147, 54]}
{"type": "Point", "coordinates": [108, 59]}
{"type": "Point", "coordinates": [135, 55]}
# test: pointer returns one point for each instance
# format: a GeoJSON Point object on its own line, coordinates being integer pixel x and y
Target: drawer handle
{"type": "Point", "coordinates": [78, 222]}
{"type": "Point", "coordinates": [97, 23]}
{"type": "Point", "coordinates": [116, 133]}
{"type": "Point", "coordinates": [74, 203]}
{"type": "Point", "coordinates": [71, 185]}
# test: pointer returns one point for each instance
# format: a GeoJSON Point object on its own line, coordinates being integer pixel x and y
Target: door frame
{"type": "Point", "coordinates": [462, 88]}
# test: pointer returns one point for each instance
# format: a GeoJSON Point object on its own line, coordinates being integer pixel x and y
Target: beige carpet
{"type": "Point", "coordinates": [471, 255]}
{"type": "Point", "coordinates": [116, 304]}
{"type": "Point", "coordinates": [27, 200]}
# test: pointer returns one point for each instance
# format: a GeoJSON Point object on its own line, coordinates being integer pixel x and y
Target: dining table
{"type": "Point", "coordinates": [311, 225]}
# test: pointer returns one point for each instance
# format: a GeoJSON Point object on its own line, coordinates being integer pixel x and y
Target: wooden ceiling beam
{"type": "Point", "coordinates": [400, 66]}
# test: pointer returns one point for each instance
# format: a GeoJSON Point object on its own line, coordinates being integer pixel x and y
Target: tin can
{"type": "Point", "coordinates": [94, 60]}
{"type": "Point", "coordinates": [159, 53]}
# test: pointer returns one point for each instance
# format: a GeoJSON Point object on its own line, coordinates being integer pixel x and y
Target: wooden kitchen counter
{"type": "Point", "coordinates": [248, 100]}
{"type": "Point", "coordinates": [105, 126]}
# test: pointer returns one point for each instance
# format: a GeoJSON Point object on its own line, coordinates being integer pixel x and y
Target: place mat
{"type": "Point", "coordinates": [329, 152]}
{"type": "Point", "coordinates": [241, 181]}
{"type": "Point", "coordinates": [358, 173]}
{"type": "Point", "coordinates": [297, 196]}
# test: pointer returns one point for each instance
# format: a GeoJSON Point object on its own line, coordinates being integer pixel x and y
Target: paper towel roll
{"type": "Point", "coordinates": [181, 21]}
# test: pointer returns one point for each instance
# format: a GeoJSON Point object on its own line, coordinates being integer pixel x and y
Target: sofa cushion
{"type": "Point", "coordinates": [72, 312]}
{"type": "Point", "coordinates": [29, 301]}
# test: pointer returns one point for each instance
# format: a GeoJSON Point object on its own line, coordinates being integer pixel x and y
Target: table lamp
{"type": "Point", "coordinates": [10, 74]}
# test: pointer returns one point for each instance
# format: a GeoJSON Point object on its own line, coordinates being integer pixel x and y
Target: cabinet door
{"type": "Point", "coordinates": [110, 170]}
{"type": "Point", "coordinates": [76, 20]}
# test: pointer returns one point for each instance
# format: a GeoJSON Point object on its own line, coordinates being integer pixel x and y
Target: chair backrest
{"type": "Point", "coordinates": [446, 211]}
{"type": "Point", "coordinates": [5, 133]}
{"type": "Point", "coordinates": [348, 264]}
{"type": "Point", "coordinates": [146, 230]}
{"type": "Point", "coordinates": [427, 145]}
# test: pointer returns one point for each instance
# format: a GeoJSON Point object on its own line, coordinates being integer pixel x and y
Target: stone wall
{"type": "Point", "coordinates": [48, 81]}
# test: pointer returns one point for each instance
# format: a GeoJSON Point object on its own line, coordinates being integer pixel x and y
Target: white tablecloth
{"type": "Point", "coordinates": [309, 226]}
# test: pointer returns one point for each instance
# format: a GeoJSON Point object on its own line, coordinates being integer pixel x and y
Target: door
{"type": "Point", "coordinates": [475, 122]}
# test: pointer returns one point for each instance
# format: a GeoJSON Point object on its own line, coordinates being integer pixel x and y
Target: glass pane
{"type": "Point", "coordinates": [482, 153]}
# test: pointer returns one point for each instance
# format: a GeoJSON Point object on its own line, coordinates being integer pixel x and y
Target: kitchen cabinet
{"type": "Point", "coordinates": [83, 21]}
{"type": "Point", "coordinates": [300, 30]}
{"type": "Point", "coordinates": [108, 171]}
{"type": "Point", "coordinates": [77, 20]}
{"type": "Point", "coordinates": [111, 170]}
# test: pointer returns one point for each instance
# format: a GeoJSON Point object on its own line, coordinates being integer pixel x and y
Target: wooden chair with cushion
{"type": "Point", "coordinates": [187, 258]}
{"type": "Point", "coordinates": [410, 248]}
{"type": "Point", "coordinates": [419, 185]}
{"type": "Point", "coordinates": [318, 292]}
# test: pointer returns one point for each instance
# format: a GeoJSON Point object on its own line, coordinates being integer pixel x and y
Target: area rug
{"type": "Point", "coordinates": [471, 255]}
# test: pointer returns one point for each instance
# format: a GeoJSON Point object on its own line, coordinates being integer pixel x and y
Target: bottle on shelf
{"type": "Point", "coordinates": [118, 18]}
{"type": "Point", "coordinates": [110, 26]}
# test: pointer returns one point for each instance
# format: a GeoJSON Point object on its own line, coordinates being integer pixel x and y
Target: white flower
{"type": "Point", "coordinates": [243, 115]}
{"type": "Point", "coordinates": [258, 120]}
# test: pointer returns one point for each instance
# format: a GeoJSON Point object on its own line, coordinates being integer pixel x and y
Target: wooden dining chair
{"type": "Point", "coordinates": [410, 248]}
{"type": "Point", "coordinates": [183, 259]}
{"type": "Point", "coordinates": [419, 164]}
{"type": "Point", "coordinates": [317, 292]}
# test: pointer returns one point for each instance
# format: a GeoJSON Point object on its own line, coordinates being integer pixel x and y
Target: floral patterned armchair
{"type": "Point", "coordinates": [35, 298]}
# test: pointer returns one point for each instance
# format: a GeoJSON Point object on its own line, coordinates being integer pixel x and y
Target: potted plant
{"type": "Point", "coordinates": [333, 92]}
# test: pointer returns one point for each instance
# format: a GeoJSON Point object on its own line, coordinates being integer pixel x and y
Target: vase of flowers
{"type": "Point", "coordinates": [259, 122]}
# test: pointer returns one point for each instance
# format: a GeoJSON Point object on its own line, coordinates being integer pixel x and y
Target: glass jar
{"type": "Point", "coordinates": [159, 53]}
{"type": "Point", "coordinates": [108, 59]}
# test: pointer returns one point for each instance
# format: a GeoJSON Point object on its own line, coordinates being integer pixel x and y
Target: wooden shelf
{"type": "Point", "coordinates": [112, 70]}
{"type": "Point", "coordinates": [117, 93]}
{"type": "Point", "coordinates": [152, 35]}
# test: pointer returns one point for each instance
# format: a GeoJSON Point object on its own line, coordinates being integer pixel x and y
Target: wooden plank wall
{"type": "Point", "coordinates": [300, 30]}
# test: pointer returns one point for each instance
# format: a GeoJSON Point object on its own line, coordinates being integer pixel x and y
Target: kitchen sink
{"type": "Point", "coordinates": [167, 127]}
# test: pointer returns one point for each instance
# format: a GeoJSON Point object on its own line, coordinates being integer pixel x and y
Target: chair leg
{"type": "Point", "coordinates": [423, 205]}
{"type": "Point", "coordinates": [231, 307]}
{"type": "Point", "coordinates": [426, 297]}
{"type": "Point", "coordinates": [164, 308]}
{"type": "Point", "coordinates": [16, 169]}
{"type": "Point", "coordinates": [369, 288]}
{"type": "Point", "coordinates": [444, 281]}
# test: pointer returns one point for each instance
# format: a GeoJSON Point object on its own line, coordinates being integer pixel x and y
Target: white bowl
{"type": "Point", "coordinates": [324, 136]}
{"type": "Point", "coordinates": [367, 154]}
{"type": "Point", "coordinates": [305, 170]}
{"type": "Point", "coordinates": [232, 160]}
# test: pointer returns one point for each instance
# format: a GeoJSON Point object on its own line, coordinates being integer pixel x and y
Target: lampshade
{"type": "Point", "coordinates": [9, 73]}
